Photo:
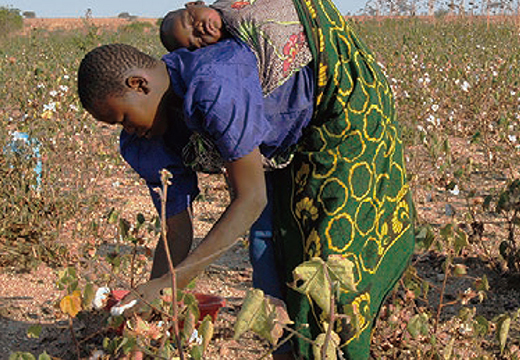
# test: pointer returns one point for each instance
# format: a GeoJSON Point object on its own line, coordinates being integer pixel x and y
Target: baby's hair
{"type": "Point", "coordinates": [165, 31]}
{"type": "Point", "coordinates": [103, 71]}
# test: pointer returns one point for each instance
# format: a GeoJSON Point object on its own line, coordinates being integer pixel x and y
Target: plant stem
{"type": "Point", "coordinates": [441, 297]}
{"type": "Point", "coordinates": [164, 237]}
{"type": "Point", "coordinates": [76, 344]}
{"type": "Point", "coordinates": [332, 316]}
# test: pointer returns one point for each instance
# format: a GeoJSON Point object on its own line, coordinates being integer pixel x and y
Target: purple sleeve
{"type": "Point", "coordinates": [223, 100]}
{"type": "Point", "coordinates": [147, 158]}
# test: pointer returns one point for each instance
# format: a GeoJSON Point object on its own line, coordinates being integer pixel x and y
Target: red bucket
{"type": "Point", "coordinates": [208, 304]}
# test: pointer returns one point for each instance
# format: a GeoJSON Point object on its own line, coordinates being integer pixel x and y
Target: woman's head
{"type": "Point", "coordinates": [193, 27]}
{"type": "Point", "coordinates": [103, 72]}
{"type": "Point", "coordinates": [119, 84]}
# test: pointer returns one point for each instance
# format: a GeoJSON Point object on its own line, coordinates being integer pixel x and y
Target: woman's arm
{"type": "Point", "coordinates": [180, 238]}
{"type": "Point", "coordinates": [247, 179]}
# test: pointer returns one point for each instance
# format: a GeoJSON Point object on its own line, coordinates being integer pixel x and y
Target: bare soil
{"type": "Point", "coordinates": [75, 23]}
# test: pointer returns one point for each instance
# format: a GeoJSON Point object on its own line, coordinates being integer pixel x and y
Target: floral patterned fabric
{"type": "Point", "coordinates": [271, 28]}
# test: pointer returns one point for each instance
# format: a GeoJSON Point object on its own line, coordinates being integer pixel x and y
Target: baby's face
{"type": "Point", "coordinates": [195, 27]}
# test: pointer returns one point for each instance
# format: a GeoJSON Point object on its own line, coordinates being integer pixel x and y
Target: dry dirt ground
{"type": "Point", "coordinates": [75, 23]}
{"type": "Point", "coordinates": [31, 298]}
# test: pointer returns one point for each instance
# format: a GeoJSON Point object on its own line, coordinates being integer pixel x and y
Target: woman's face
{"type": "Point", "coordinates": [138, 113]}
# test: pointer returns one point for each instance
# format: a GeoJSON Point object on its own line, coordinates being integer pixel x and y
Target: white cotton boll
{"type": "Point", "coordinates": [431, 119]}
{"type": "Point", "coordinates": [101, 297]}
{"type": "Point", "coordinates": [455, 191]}
{"type": "Point", "coordinates": [195, 338]}
{"type": "Point", "coordinates": [119, 310]}
{"type": "Point", "coordinates": [97, 355]}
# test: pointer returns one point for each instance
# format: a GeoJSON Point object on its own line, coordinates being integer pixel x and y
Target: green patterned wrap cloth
{"type": "Point", "coordinates": [345, 192]}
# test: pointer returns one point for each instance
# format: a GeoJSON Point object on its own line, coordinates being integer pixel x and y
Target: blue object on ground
{"type": "Point", "coordinates": [20, 141]}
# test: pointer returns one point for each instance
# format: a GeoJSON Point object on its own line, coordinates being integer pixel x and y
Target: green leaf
{"type": "Point", "coordinates": [206, 330]}
{"type": "Point", "coordinates": [21, 356]}
{"type": "Point", "coordinates": [263, 315]}
{"type": "Point", "coordinates": [418, 325]}
{"type": "Point", "coordinates": [481, 325]}
{"type": "Point", "coordinates": [197, 352]}
{"type": "Point", "coordinates": [317, 278]}
{"type": "Point", "coordinates": [425, 237]}
{"type": "Point", "coordinates": [459, 270]}
{"type": "Point", "coordinates": [487, 202]}
{"type": "Point", "coordinates": [44, 356]}
{"type": "Point", "coordinates": [448, 350]}
{"type": "Point", "coordinates": [124, 228]}
{"type": "Point", "coordinates": [88, 295]}
{"type": "Point", "coordinates": [461, 240]}
{"type": "Point", "coordinates": [112, 216]}
{"type": "Point", "coordinates": [34, 331]}
{"type": "Point", "coordinates": [189, 325]}
{"type": "Point", "coordinates": [127, 345]}
{"type": "Point", "coordinates": [503, 324]}
{"type": "Point", "coordinates": [482, 284]}
{"type": "Point", "coordinates": [447, 232]}
{"type": "Point", "coordinates": [332, 345]}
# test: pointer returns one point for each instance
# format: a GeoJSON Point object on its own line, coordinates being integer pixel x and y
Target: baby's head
{"type": "Point", "coordinates": [193, 27]}
{"type": "Point", "coordinates": [119, 84]}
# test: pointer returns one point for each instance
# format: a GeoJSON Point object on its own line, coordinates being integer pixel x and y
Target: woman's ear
{"type": "Point", "coordinates": [194, 3]}
{"type": "Point", "coordinates": [138, 83]}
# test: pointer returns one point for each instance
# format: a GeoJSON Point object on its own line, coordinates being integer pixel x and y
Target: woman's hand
{"type": "Point", "coordinates": [138, 301]}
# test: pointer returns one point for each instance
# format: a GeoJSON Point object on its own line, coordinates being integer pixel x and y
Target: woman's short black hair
{"type": "Point", "coordinates": [103, 71]}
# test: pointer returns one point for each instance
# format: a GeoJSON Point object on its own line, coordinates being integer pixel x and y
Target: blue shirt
{"type": "Point", "coordinates": [222, 100]}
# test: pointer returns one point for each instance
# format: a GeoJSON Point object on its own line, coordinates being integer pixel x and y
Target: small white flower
{"type": "Point", "coordinates": [73, 107]}
{"type": "Point", "coordinates": [435, 107]}
{"type": "Point", "coordinates": [495, 73]}
{"type": "Point", "coordinates": [53, 93]}
{"type": "Point", "coordinates": [513, 93]}
{"type": "Point", "coordinates": [465, 86]}
{"type": "Point", "coordinates": [64, 88]}
{"type": "Point", "coordinates": [40, 86]}
{"type": "Point", "coordinates": [50, 106]}
{"type": "Point", "coordinates": [455, 191]}
{"type": "Point", "coordinates": [512, 138]}
{"type": "Point", "coordinates": [66, 77]}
